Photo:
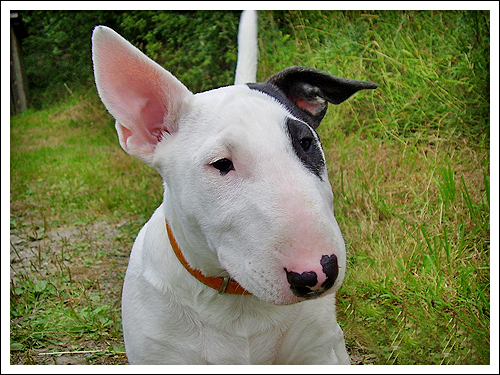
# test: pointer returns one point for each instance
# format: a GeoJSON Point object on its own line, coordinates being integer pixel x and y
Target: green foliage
{"type": "Point", "coordinates": [44, 321]}
{"type": "Point", "coordinates": [199, 47]}
{"type": "Point", "coordinates": [57, 52]}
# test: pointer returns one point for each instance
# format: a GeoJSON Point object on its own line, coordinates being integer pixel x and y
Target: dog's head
{"type": "Point", "coordinates": [246, 187]}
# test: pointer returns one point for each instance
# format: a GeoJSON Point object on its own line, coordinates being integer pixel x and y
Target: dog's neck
{"type": "Point", "coordinates": [221, 284]}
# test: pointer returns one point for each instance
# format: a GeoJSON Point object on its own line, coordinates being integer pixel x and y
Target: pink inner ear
{"type": "Point", "coordinates": [154, 114]}
{"type": "Point", "coordinates": [143, 97]}
{"type": "Point", "coordinates": [136, 98]}
{"type": "Point", "coordinates": [308, 106]}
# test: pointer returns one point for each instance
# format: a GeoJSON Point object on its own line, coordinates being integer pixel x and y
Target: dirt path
{"type": "Point", "coordinates": [92, 258]}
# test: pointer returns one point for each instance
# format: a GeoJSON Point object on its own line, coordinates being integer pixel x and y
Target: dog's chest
{"type": "Point", "coordinates": [226, 348]}
{"type": "Point", "coordinates": [247, 332]}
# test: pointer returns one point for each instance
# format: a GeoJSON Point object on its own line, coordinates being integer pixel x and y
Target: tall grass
{"type": "Point", "coordinates": [418, 249]}
{"type": "Point", "coordinates": [409, 165]}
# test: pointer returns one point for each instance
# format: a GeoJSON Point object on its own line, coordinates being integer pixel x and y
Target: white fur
{"type": "Point", "coordinates": [246, 66]}
{"type": "Point", "coordinates": [268, 214]}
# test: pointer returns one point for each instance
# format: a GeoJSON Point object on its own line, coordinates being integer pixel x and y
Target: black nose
{"type": "Point", "coordinates": [301, 283]}
{"type": "Point", "coordinates": [331, 269]}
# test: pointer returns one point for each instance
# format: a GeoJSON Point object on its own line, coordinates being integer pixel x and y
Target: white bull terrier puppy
{"type": "Point", "coordinates": [229, 268]}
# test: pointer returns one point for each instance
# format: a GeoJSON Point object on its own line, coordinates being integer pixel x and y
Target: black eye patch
{"type": "Point", "coordinates": [306, 146]}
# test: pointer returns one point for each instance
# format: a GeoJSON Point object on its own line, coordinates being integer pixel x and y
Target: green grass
{"type": "Point", "coordinates": [73, 168]}
{"type": "Point", "coordinates": [409, 164]}
{"type": "Point", "coordinates": [418, 250]}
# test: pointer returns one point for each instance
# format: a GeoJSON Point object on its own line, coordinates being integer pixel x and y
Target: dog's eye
{"type": "Point", "coordinates": [223, 165]}
{"type": "Point", "coordinates": [305, 143]}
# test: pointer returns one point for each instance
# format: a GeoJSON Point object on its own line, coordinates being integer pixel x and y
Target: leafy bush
{"type": "Point", "coordinates": [199, 47]}
{"type": "Point", "coordinates": [56, 52]}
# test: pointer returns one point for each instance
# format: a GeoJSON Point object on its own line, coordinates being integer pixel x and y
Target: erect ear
{"type": "Point", "coordinates": [144, 98]}
{"type": "Point", "coordinates": [310, 90]}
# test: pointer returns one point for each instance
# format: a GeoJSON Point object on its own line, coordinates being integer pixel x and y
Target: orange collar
{"type": "Point", "coordinates": [221, 284]}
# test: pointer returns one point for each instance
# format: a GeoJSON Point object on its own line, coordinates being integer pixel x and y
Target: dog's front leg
{"type": "Point", "coordinates": [315, 338]}
{"type": "Point", "coordinates": [339, 346]}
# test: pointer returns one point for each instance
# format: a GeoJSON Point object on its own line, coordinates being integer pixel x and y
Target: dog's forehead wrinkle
{"type": "Point", "coordinates": [246, 119]}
